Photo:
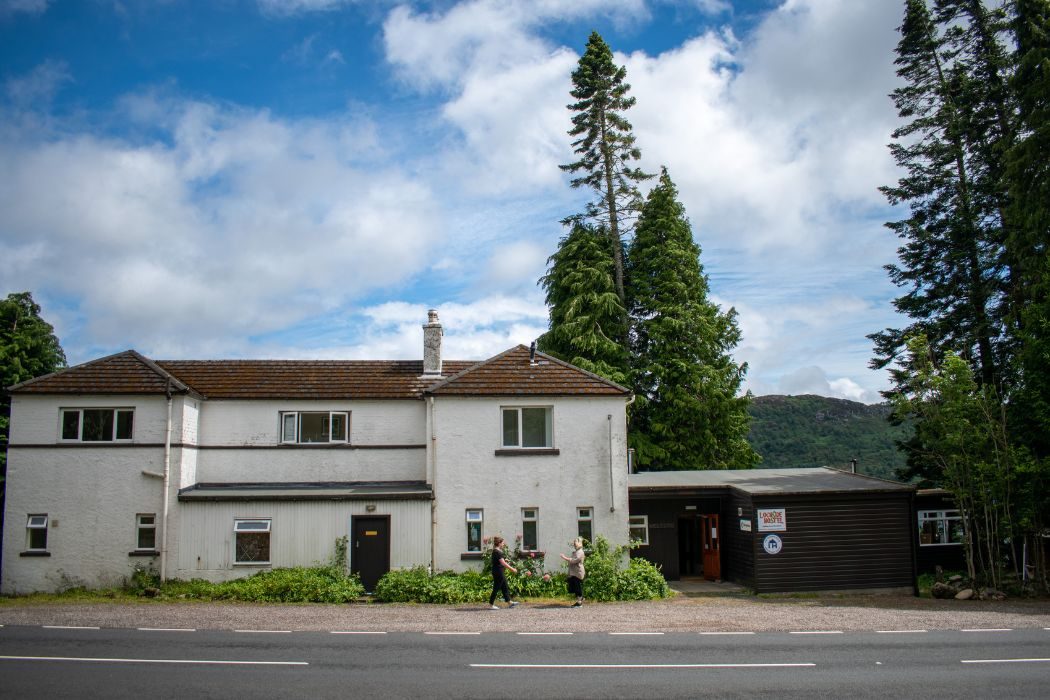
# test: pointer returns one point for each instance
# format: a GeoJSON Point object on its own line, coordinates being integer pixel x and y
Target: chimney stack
{"type": "Point", "coordinates": [432, 333]}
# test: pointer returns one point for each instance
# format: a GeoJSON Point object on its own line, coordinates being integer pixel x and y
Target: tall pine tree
{"type": "Point", "coordinates": [691, 414]}
{"type": "Point", "coordinates": [604, 144]}
{"type": "Point", "coordinates": [587, 319]}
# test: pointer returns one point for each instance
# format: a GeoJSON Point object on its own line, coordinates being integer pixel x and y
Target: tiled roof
{"type": "Point", "coordinates": [306, 379]}
{"type": "Point", "coordinates": [126, 372]}
{"type": "Point", "coordinates": [512, 374]}
{"type": "Point", "coordinates": [507, 374]}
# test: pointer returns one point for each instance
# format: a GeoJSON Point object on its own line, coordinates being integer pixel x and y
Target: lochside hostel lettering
{"type": "Point", "coordinates": [772, 519]}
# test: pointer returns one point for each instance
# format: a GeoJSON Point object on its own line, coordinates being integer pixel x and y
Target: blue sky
{"type": "Point", "coordinates": [304, 178]}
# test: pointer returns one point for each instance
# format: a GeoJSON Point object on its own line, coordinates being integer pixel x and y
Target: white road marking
{"type": "Point", "coordinates": [355, 632]}
{"type": "Point", "coordinates": [1003, 661]}
{"type": "Point", "coordinates": [617, 666]}
{"type": "Point", "coordinates": [990, 629]}
{"type": "Point", "coordinates": [900, 631]}
{"type": "Point", "coordinates": [156, 661]}
{"type": "Point", "coordinates": [166, 629]}
{"type": "Point", "coordinates": [721, 633]}
{"type": "Point", "coordinates": [816, 632]}
{"type": "Point", "coordinates": [544, 634]}
{"type": "Point", "coordinates": [637, 634]}
{"type": "Point", "coordinates": [264, 631]}
{"type": "Point", "coordinates": [67, 627]}
{"type": "Point", "coordinates": [441, 633]}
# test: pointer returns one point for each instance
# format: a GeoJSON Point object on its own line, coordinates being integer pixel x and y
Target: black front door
{"type": "Point", "coordinates": [370, 551]}
{"type": "Point", "coordinates": [689, 547]}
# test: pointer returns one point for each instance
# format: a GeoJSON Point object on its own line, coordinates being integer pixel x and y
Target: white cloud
{"type": "Point", "coordinates": [29, 7]}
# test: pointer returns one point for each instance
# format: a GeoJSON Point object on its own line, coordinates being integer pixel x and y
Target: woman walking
{"type": "Point", "coordinates": [499, 579]}
{"type": "Point", "coordinates": [576, 571]}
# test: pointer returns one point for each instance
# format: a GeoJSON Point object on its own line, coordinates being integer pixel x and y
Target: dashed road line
{"type": "Point", "coordinates": [1003, 661]}
{"type": "Point", "coordinates": [263, 631]}
{"type": "Point", "coordinates": [165, 629]}
{"type": "Point", "coordinates": [622, 666]}
{"type": "Point", "coordinates": [544, 634]}
{"type": "Point", "coordinates": [989, 629]}
{"type": "Point", "coordinates": [900, 631]}
{"type": "Point", "coordinates": [354, 632]}
{"type": "Point", "coordinates": [68, 627]}
{"type": "Point", "coordinates": [636, 634]}
{"type": "Point", "coordinates": [723, 633]}
{"type": "Point", "coordinates": [451, 633]}
{"type": "Point", "coordinates": [156, 661]}
{"type": "Point", "coordinates": [816, 632]}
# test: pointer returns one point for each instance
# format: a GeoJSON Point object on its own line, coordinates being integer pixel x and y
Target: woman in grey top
{"type": "Point", "coordinates": [576, 571]}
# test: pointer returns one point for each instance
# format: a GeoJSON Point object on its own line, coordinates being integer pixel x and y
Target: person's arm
{"type": "Point", "coordinates": [564, 557]}
{"type": "Point", "coordinates": [505, 565]}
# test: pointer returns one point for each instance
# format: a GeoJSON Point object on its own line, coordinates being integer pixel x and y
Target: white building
{"type": "Point", "coordinates": [218, 469]}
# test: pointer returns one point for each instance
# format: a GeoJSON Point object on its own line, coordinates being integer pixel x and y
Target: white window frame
{"type": "Point", "coordinates": [297, 417]}
{"type": "Point", "coordinates": [475, 515]}
{"type": "Point", "coordinates": [534, 518]}
{"type": "Point", "coordinates": [79, 411]}
{"type": "Point", "coordinates": [36, 521]}
{"type": "Point", "coordinates": [945, 516]}
{"type": "Point", "coordinates": [638, 522]}
{"type": "Point", "coordinates": [548, 427]}
{"type": "Point", "coordinates": [240, 526]}
{"type": "Point", "coordinates": [141, 526]}
{"type": "Point", "coordinates": [585, 514]}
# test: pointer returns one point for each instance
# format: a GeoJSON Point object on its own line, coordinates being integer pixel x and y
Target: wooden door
{"type": "Point", "coordinates": [712, 552]}
{"type": "Point", "coordinates": [370, 550]}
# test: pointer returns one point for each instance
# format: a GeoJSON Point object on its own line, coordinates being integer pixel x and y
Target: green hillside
{"type": "Point", "coordinates": [816, 431]}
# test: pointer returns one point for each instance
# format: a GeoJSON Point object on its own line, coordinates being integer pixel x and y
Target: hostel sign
{"type": "Point", "coordinates": [772, 519]}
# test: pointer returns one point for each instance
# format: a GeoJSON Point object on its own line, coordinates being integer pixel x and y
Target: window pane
{"type": "Point", "coordinates": [37, 538]}
{"type": "Point", "coordinates": [584, 530]}
{"type": "Point", "coordinates": [473, 537]}
{"type": "Point", "coordinates": [147, 520]}
{"type": "Point", "coordinates": [928, 532]}
{"type": "Point", "coordinates": [528, 535]}
{"type": "Point", "coordinates": [253, 547]}
{"type": "Point", "coordinates": [288, 427]}
{"type": "Point", "coordinates": [98, 425]}
{"type": "Point", "coordinates": [125, 419]}
{"type": "Point", "coordinates": [147, 538]}
{"type": "Point", "coordinates": [70, 425]}
{"type": "Point", "coordinates": [339, 427]}
{"type": "Point", "coordinates": [313, 427]}
{"type": "Point", "coordinates": [534, 427]}
{"type": "Point", "coordinates": [252, 525]}
{"type": "Point", "coordinates": [510, 427]}
{"type": "Point", "coordinates": [955, 531]}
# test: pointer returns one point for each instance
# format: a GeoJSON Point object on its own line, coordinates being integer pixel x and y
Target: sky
{"type": "Point", "coordinates": [305, 178]}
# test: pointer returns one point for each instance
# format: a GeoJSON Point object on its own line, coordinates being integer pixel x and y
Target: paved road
{"type": "Point", "coordinates": [65, 662]}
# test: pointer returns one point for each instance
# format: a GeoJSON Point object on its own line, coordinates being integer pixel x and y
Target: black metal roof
{"type": "Point", "coordinates": [810, 480]}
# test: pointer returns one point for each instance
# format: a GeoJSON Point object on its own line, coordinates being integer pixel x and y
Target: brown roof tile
{"type": "Point", "coordinates": [512, 374]}
{"type": "Point", "coordinates": [509, 373]}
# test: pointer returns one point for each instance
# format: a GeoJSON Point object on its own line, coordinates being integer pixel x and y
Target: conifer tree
{"type": "Point", "coordinates": [587, 319]}
{"type": "Point", "coordinates": [690, 414]}
{"type": "Point", "coordinates": [604, 143]}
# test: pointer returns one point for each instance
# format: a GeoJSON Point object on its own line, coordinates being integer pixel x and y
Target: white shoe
{"type": "Point", "coordinates": [513, 603]}
{"type": "Point", "coordinates": [494, 607]}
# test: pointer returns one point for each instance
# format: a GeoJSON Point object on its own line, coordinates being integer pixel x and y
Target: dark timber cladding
{"type": "Point", "coordinates": [824, 529]}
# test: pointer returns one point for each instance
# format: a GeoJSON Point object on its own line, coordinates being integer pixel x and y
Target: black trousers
{"type": "Point", "coordinates": [499, 585]}
{"type": "Point", "coordinates": [576, 586]}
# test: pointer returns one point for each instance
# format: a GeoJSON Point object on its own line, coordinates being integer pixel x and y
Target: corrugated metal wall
{"type": "Point", "coordinates": [302, 533]}
{"type": "Point", "coordinates": [836, 541]}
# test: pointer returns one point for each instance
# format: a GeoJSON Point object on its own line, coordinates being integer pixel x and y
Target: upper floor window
{"type": "Point", "coordinates": [314, 426]}
{"type": "Point", "coordinates": [940, 527]}
{"type": "Point", "coordinates": [97, 424]}
{"type": "Point", "coordinates": [527, 426]}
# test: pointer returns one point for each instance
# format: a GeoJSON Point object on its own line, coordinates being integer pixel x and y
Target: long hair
{"type": "Point", "coordinates": [497, 542]}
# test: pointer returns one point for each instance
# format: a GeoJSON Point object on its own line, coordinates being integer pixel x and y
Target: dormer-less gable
{"type": "Point", "coordinates": [125, 372]}
{"type": "Point", "coordinates": [518, 372]}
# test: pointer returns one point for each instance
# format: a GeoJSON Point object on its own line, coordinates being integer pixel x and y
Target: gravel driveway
{"type": "Point", "coordinates": [680, 614]}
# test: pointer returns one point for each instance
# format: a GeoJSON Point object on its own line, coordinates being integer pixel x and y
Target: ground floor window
{"type": "Point", "coordinates": [36, 533]}
{"type": "Point", "coordinates": [940, 527]}
{"type": "Point", "coordinates": [475, 519]}
{"type": "Point", "coordinates": [146, 531]}
{"type": "Point", "coordinates": [529, 525]}
{"type": "Point", "coordinates": [252, 541]}
{"type": "Point", "coordinates": [584, 520]}
{"type": "Point", "coordinates": [639, 528]}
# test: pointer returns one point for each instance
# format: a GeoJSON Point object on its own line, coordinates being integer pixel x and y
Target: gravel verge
{"type": "Point", "coordinates": [680, 614]}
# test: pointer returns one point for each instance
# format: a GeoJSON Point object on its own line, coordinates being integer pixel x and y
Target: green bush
{"type": "Point", "coordinates": [416, 585]}
{"type": "Point", "coordinates": [320, 584]}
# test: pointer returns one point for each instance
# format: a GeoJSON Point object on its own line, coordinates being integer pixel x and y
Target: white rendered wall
{"type": "Point", "coordinates": [468, 474]}
{"type": "Point", "coordinates": [303, 533]}
{"type": "Point", "coordinates": [91, 495]}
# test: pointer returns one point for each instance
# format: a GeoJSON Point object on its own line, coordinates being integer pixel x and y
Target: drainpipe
{"type": "Point", "coordinates": [612, 473]}
{"type": "Point", "coordinates": [167, 485]}
{"type": "Point", "coordinates": [432, 450]}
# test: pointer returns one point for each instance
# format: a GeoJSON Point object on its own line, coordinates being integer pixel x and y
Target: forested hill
{"type": "Point", "coordinates": [816, 431]}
